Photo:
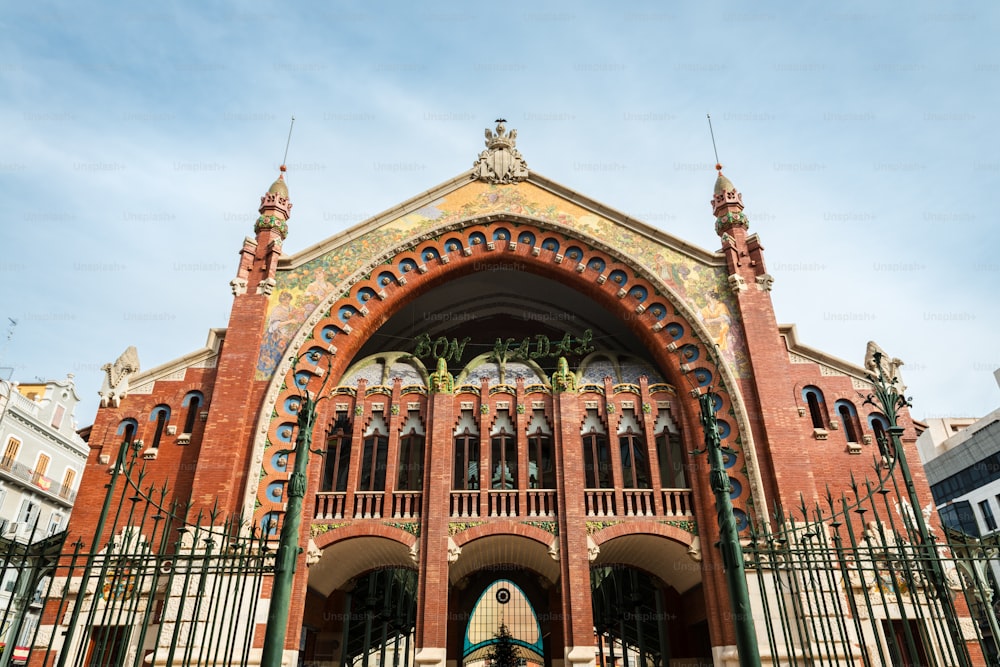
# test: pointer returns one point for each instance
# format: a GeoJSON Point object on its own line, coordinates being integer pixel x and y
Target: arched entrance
{"type": "Point", "coordinates": [361, 602]}
{"type": "Point", "coordinates": [542, 347]}
{"type": "Point", "coordinates": [640, 621]}
{"type": "Point", "coordinates": [503, 622]}
{"type": "Point", "coordinates": [665, 326]}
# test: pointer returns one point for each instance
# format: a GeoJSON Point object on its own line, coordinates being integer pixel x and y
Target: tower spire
{"type": "Point", "coordinates": [727, 205]}
{"type": "Point", "coordinates": [275, 207]}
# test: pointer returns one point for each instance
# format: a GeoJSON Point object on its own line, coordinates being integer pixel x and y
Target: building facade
{"type": "Point", "coordinates": [42, 464]}
{"type": "Point", "coordinates": [508, 424]}
{"type": "Point", "coordinates": [962, 461]}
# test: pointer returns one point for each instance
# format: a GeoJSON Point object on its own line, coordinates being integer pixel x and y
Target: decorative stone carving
{"type": "Point", "coordinates": [441, 381]}
{"type": "Point", "coordinates": [889, 365]}
{"type": "Point", "coordinates": [266, 286]}
{"type": "Point", "coordinates": [313, 553]}
{"type": "Point", "coordinates": [239, 286]}
{"type": "Point", "coordinates": [764, 282]}
{"type": "Point", "coordinates": [454, 551]}
{"type": "Point", "coordinates": [554, 549]}
{"type": "Point", "coordinates": [731, 219]}
{"type": "Point", "coordinates": [563, 379]}
{"type": "Point", "coordinates": [116, 376]}
{"type": "Point", "coordinates": [593, 551]}
{"type": "Point", "coordinates": [501, 162]}
{"type": "Point", "coordinates": [737, 284]}
{"type": "Point", "coordinates": [694, 551]}
{"type": "Point", "coordinates": [415, 553]}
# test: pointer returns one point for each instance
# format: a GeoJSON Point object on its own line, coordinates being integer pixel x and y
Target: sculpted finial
{"type": "Point", "coordinates": [875, 358]}
{"type": "Point", "coordinates": [116, 375]}
{"type": "Point", "coordinates": [501, 162]}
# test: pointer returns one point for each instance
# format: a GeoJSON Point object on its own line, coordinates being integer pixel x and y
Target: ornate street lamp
{"type": "Point", "coordinates": [888, 397]}
{"type": "Point", "coordinates": [288, 542]}
{"type": "Point", "coordinates": [729, 538]}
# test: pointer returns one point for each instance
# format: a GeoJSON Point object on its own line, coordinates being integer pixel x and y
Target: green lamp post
{"type": "Point", "coordinates": [288, 542]}
{"type": "Point", "coordinates": [729, 538]}
{"type": "Point", "coordinates": [888, 398]}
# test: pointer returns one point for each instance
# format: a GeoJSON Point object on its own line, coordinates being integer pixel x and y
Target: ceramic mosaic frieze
{"type": "Point", "coordinates": [298, 291]}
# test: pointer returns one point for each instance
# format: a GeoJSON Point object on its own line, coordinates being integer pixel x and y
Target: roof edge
{"type": "Point", "coordinates": [212, 346]}
{"type": "Point", "coordinates": [427, 196]}
{"type": "Point", "coordinates": [790, 333]}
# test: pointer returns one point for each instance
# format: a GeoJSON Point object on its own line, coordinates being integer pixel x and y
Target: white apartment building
{"type": "Point", "coordinates": [41, 462]}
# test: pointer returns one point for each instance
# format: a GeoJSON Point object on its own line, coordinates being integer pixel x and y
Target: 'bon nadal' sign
{"type": "Point", "coordinates": [538, 346]}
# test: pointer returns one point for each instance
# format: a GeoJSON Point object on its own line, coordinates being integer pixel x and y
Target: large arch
{"type": "Point", "coordinates": [677, 341]}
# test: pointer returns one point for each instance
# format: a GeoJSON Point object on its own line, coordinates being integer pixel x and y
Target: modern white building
{"type": "Point", "coordinates": [962, 461]}
{"type": "Point", "coordinates": [41, 462]}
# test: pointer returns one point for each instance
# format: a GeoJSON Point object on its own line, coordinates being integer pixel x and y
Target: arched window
{"type": "Point", "coordinates": [161, 415]}
{"type": "Point", "coordinates": [411, 454]}
{"type": "Point", "coordinates": [10, 453]}
{"type": "Point", "coordinates": [817, 410]}
{"type": "Point", "coordinates": [669, 453]}
{"type": "Point", "coordinates": [465, 476]}
{"type": "Point", "coordinates": [596, 452]}
{"type": "Point", "coordinates": [503, 453]}
{"type": "Point", "coordinates": [849, 418]}
{"type": "Point", "coordinates": [635, 456]}
{"type": "Point", "coordinates": [541, 471]}
{"type": "Point", "coordinates": [337, 462]}
{"type": "Point", "coordinates": [193, 402]}
{"type": "Point", "coordinates": [127, 429]}
{"type": "Point", "coordinates": [374, 452]}
{"type": "Point", "coordinates": [880, 426]}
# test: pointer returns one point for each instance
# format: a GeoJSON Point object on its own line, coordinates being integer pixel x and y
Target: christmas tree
{"type": "Point", "coordinates": [503, 652]}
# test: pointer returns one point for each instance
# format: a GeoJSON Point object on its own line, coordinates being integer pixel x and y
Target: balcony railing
{"type": "Point", "coordinates": [23, 473]}
{"type": "Point", "coordinates": [503, 503]}
{"type": "Point", "coordinates": [541, 502]}
{"type": "Point", "coordinates": [600, 502]}
{"type": "Point", "coordinates": [638, 502]}
{"type": "Point", "coordinates": [677, 502]}
{"type": "Point", "coordinates": [368, 504]}
{"type": "Point", "coordinates": [406, 504]}
{"type": "Point", "coordinates": [330, 505]}
{"type": "Point", "coordinates": [475, 504]}
{"type": "Point", "coordinates": [464, 504]}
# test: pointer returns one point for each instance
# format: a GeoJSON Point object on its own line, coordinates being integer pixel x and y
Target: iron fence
{"type": "Point", "coordinates": [850, 581]}
{"type": "Point", "coordinates": [154, 586]}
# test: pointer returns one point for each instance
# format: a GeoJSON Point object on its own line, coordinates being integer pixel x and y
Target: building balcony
{"type": "Point", "coordinates": [504, 503]}
{"type": "Point", "coordinates": [36, 481]}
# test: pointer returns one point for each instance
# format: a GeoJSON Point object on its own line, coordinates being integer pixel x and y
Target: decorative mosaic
{"type": "Point", "coordinates": [317, 529]}
{"type": "Point", "coordinates": [372, 372]}
{"type": "Point", "coordinates": [547, 526]}
{"type": "Point", "coordinates": [298, 291]}
{"type": "Point", "coordinates": [597, 526]}
{"type": "Point", "coordinates": [455, 527]}
{"type": "Point", "coordinates": [412, 527]}
{"type": "Point", "coordinates": [687, 525]}
{"type": "Point", "coordinates": [598, 370]}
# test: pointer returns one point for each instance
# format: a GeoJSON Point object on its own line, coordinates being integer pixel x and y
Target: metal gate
{"type": "Point", "coordinates": [153, 586]}
{"type": "Point", "coordinates": [863, 578]}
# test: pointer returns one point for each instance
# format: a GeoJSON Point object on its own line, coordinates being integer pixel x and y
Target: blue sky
{"type": "Point", "coordinates": [137, 141]}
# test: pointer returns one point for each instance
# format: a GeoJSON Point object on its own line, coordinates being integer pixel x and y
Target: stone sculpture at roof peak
{"type": "Point", "coordinates": [501, 162]}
